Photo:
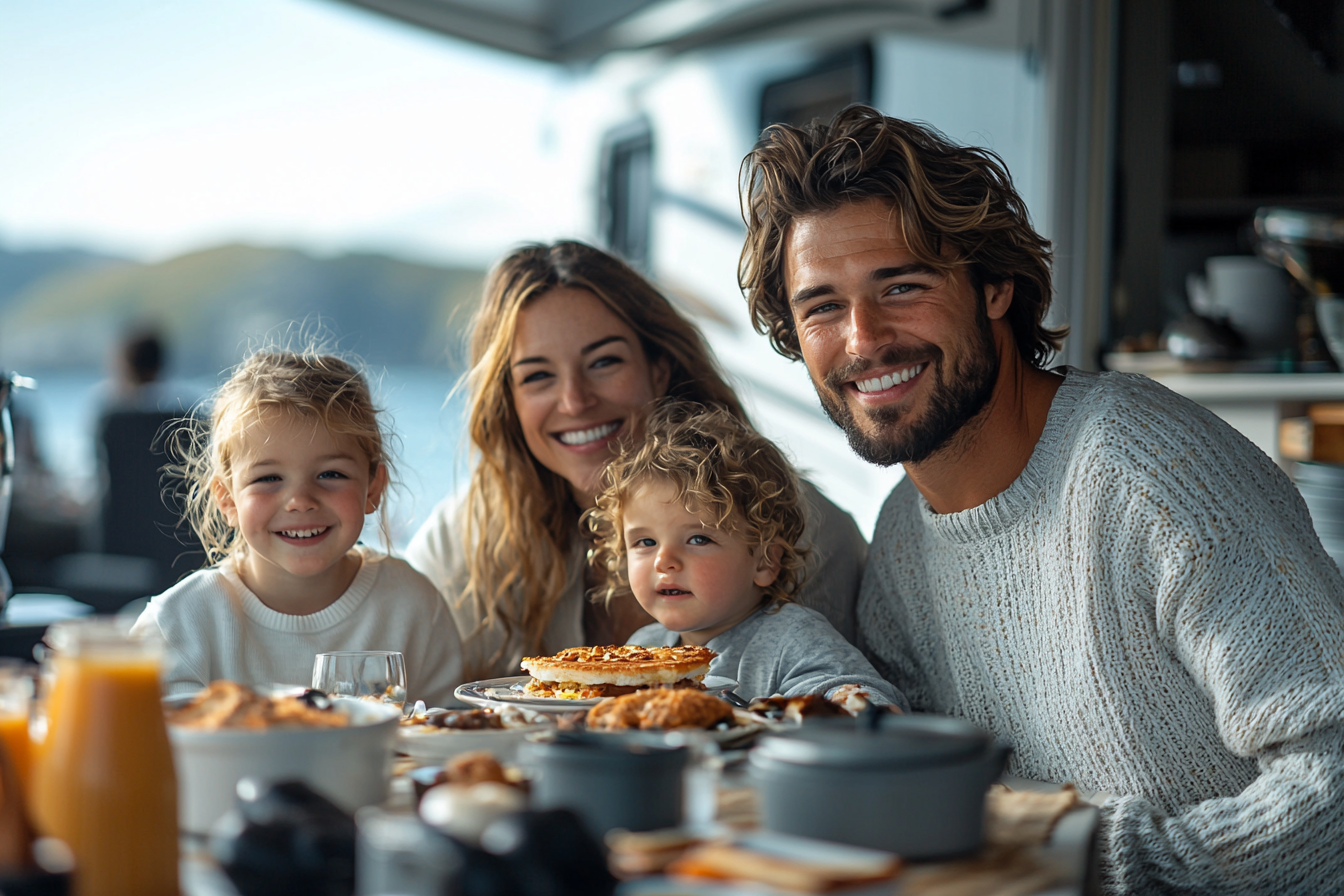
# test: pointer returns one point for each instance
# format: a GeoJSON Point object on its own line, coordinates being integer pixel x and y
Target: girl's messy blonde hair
{"type": "Point", "coordinates": [723, 471]}
{"type": "Point", "coordinates": [309, 384]}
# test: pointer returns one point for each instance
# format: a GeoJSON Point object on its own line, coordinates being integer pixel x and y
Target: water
{"type": "Point", "coordinates": [429, 459]}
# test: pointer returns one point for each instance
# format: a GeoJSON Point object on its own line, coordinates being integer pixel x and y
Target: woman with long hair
{"type": "Point", "coordinates": [568, 350]}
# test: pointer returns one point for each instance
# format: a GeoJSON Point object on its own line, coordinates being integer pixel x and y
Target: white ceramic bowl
{"type": "Point", "coordinates": [350, 766]}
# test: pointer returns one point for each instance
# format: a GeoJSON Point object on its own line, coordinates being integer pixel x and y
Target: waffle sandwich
{"type": "Point", "coordinates": [586, 673]}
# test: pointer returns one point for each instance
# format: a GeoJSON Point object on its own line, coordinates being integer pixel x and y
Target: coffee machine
{"type": "Point", "coordinates": [8, 382]}
{"type": "Point", "coordinates": [1309, 245]}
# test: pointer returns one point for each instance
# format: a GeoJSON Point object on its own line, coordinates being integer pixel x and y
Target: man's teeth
{"type": "Point", "coordinates": [302, 533]}
{"type": "Point", "coordinates": [584, 436]}
{"type": "Point", "coordinates": [878, 383]}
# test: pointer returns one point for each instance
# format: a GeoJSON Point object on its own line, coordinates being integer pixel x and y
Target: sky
{"type": "Point", "coordinates": [147, 128]}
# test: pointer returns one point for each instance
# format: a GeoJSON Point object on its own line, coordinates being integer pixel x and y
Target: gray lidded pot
{"type": "Point", "coordinates": [632, 781]}
{"type": "Point", "coordinates": [915, 786]}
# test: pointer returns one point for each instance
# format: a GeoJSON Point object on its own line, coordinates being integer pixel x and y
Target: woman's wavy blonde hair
{"type": "Point", "coordinates": [956, 205]}
{"type": "Point", "coordinates": [310, 384]}
{"type": "Point", "coordinates": [723, 471]}
{"type": "Point", "coordinates": [521, 518]}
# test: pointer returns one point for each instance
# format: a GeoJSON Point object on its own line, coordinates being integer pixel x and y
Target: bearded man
{"type": "Point", "coordinates": [1087, 565]}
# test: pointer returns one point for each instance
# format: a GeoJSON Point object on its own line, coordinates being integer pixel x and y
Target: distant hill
{"type": "Point", "coordinates": [19, 269]}
{"type": "Point", "coordinates": [69, 308]}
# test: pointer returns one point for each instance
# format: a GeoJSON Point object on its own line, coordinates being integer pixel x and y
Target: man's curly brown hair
{"type": "Point", "coordinates": [957, 207]}
{"type": "Point", "coordinates": [725, 472]}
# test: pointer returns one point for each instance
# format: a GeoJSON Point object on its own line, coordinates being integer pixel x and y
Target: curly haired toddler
{"type": "Point", "coordinates": [701, 521]}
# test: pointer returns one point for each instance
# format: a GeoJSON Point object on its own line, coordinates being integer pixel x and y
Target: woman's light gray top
{"type": "Point", "coordinates": [788, 650]}
{"type": "Point", "coordinates": [834, 570]}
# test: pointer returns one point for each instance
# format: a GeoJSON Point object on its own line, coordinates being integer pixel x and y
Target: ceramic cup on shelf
{"type": "Point", "coordinates": [1253, 296]}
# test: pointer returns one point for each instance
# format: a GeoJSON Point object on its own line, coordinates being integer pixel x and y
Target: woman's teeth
{"type": "Point", "coordinates": [877, 384]}
{"type": "Point", "coordinates": [584, 436]}
{"type": "Point", "coordinates": [302, 533]}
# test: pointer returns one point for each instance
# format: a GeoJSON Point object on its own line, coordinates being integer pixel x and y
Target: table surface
{"type": "Point", "coordinates": [1070, 849]}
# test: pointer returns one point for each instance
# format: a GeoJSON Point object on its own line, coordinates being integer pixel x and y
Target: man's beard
{"type": "Point", "coordinates": [955, 398]}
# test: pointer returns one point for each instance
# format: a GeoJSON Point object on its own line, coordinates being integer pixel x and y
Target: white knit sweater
{"type": "Point", "coordinates": [1146, 611]}
{"type": "Point", "coordinates": [215, 627]}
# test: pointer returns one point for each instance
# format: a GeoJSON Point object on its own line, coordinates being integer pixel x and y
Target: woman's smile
{"type": "Point", "coordinates": [591, 438]}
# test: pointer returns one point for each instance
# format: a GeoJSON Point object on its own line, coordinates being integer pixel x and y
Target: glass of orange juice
{"type": "Point", "coordinates": [103, 776]}
{"type": "Point", "coordinates": [16, 702]}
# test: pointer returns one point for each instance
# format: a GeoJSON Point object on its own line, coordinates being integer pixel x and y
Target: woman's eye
{"type": "Point", "coordinates": [607, 361]}
{"type": "Point", "coordinates": [535, 376]}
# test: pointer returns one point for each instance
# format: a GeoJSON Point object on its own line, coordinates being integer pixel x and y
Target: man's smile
{"type": "Point", "coordinates": [888, 380]}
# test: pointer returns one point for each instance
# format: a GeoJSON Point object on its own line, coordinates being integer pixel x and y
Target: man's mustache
{"type": "Point", "coordinates": [896, 356]}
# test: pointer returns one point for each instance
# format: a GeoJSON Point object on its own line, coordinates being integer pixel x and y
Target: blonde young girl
{"type": "Point", "coordinates": [277, 491]}
{"type": "Point", "coordinates": [701, 520]}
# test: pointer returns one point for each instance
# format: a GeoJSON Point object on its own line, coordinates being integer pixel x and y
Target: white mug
{"type": "Point", "coordinates": [1253, 295]}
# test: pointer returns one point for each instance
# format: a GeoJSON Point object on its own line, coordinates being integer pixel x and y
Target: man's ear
{"type": "Point", "coordinates": [768, 565]}
{"type": "Point", "coordinates": [377, 486]}
{"type": "Point", "coordinates": [224, 498]}
{"type": "Point", "coordinates": [998, 298]}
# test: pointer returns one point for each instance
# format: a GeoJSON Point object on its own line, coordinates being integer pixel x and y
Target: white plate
{"type": "Point", "coordinates": [437, 744]}
{"type": "Point", "coordinates": [500, 692]}
{"type": "Point", "coordinates": [433, 744]}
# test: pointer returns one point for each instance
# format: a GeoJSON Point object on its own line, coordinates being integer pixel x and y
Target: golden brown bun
{"type": "Point", "coordinates": [659, 708]}
{"type": "Point", "coordinates": [627, 665]}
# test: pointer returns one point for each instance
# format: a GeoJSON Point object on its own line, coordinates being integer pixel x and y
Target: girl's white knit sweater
{"type": "Point", "coordinates": [1147, 612]}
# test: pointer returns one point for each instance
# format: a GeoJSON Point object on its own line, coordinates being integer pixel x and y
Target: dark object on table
{"type": "Point", "coordinates": [466, 720]}
{"type": "Point", "coordinates": [537, 854]}
{"type": "Point", "coordinates": [285, 838]}
{"type": "Point", "coordinates": [51, 876]}
{"type": "Point", "coordinates": [912, 785]}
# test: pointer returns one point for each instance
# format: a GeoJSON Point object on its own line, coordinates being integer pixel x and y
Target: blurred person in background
{"type": "Point", "coordinates": [135, 384]}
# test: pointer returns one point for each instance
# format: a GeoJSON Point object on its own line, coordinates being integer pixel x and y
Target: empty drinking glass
{"type": "Point", "coordinates": [378, 675]}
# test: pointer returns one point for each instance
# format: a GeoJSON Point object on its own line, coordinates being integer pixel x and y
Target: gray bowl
{"type": "Point", "coordinates": [915, 787]}
{"type": "Point", "coordinates": [632, 781]}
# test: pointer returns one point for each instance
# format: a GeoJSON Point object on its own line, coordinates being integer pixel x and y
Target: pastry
{"type": "Point", "coordinates": [584, 673]}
